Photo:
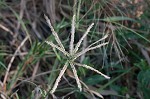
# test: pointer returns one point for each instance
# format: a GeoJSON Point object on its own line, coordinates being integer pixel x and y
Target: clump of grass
{"type": "Point", "coordinates": [74, 53]}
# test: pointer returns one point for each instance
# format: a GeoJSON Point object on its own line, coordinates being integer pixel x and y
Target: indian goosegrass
{"type": "Point", "coordinates": [73, 52]}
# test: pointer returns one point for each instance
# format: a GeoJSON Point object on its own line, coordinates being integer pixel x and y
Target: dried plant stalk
{"type": "Point", "coordinates": [91, 68]}
{"type": "Point", "coordinates": [72, 35]}
{"type": "Point", "coordinates": [55, 46]}
{"type": "Point", "coordinates": [59, 77]}
{"type": "Point", "coordinates": [54, 33]}
{"type": "Point", "coordinates": [80, 41]}
{"type": "Point", "coordinates": [76, 76]}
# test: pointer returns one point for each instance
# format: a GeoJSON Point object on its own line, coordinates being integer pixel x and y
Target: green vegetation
{"type": "Point", "coordinates": [37, 63]}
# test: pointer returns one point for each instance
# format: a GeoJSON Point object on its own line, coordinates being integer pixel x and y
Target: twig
{"type": "Point", "coordinates": [11, 61]}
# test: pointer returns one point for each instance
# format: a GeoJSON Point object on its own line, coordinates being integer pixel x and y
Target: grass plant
{"type": "Point", "coordinates": [73, 53]}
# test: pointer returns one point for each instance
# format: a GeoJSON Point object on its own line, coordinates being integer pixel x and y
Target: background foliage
{"type": "Point", "coordinates": [34, 65]}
